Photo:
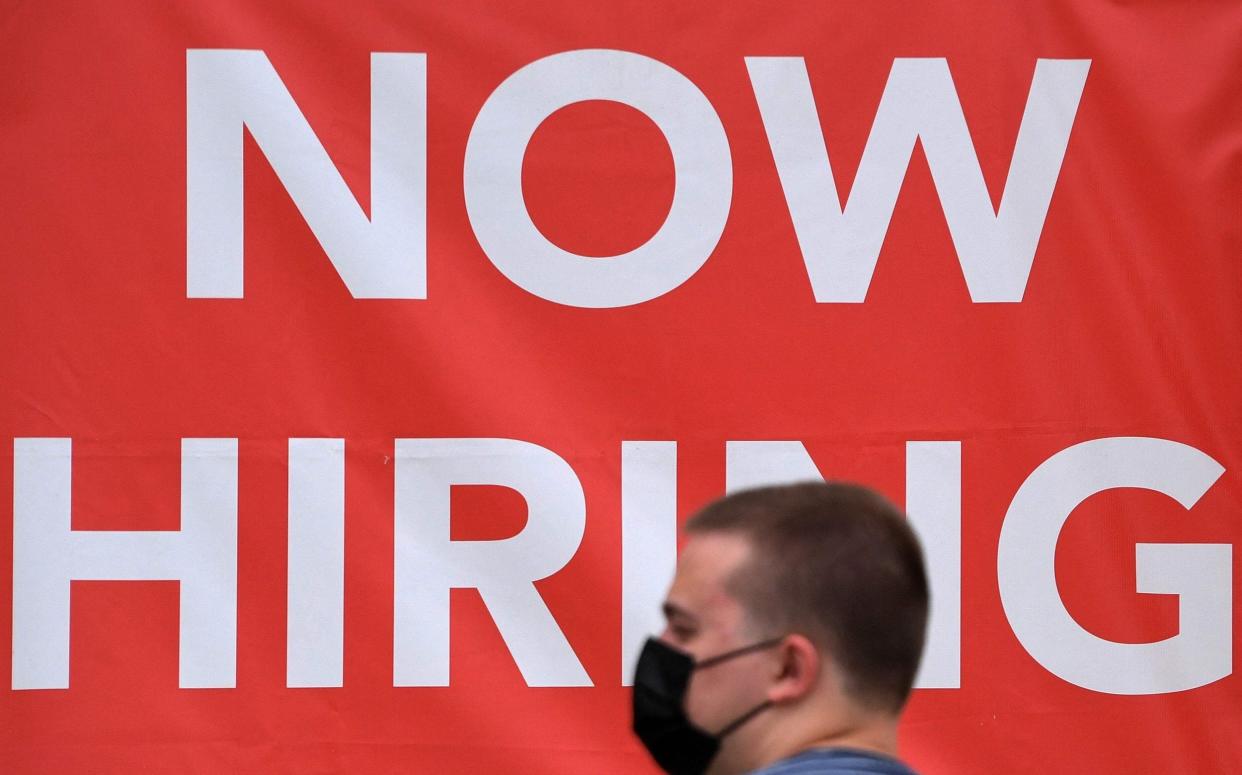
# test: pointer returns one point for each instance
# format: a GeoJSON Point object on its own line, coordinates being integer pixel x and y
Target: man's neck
{"type": "Point", "coordinates": [877, 740]}
{"type": "Point", "coordinates": [877, 734]}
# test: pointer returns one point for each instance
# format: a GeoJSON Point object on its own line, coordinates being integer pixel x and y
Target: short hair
{"type": "Point", "coordinates": [840, 564]}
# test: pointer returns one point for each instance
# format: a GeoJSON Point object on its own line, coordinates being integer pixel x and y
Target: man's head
{"type": "Point", "coordinates": [833, 576]}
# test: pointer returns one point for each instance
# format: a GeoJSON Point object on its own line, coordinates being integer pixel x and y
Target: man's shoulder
{"type": "Point", "coordinates": [837, 761]}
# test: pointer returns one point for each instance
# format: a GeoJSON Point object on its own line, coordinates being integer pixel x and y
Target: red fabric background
{"type": "Point", "coordinates": [1131, 325]}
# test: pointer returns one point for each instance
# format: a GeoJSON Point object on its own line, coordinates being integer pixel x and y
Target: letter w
{"type": "Point", "coordinates": [383, 257]}
{"type": "Point", "coordinates": [840, 246]}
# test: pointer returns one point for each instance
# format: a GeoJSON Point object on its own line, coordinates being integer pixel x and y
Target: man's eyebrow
{"type": "Point", "coordinates": [674, 611]}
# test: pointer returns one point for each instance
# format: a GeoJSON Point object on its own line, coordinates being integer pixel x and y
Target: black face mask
{"type": "Point", "coordinates": [660, 682]}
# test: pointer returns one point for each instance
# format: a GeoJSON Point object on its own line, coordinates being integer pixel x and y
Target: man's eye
{"type": "Point", "coordinates": [682, 633]}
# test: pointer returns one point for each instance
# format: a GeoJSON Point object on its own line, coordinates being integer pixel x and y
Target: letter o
{"type": "Point", "coordinates": [702, 165]}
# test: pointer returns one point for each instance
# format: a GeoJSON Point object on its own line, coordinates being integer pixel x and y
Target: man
{"type": "Point", "coordinates": [795, 624]}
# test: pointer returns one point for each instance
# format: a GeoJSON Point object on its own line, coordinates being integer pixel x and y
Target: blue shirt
{"type": "Point", "coordinates": [836, 761]}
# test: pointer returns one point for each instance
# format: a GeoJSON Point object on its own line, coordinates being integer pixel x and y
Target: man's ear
{"type": "Point", "coordinates": [796, 670]}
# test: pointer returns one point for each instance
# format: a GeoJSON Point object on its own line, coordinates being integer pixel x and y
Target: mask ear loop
{"type": "Point", "coordinates": [747, 716]}
{"type": "Point", "coordinates": [713, 661]}
{"type": "Point", "coordinates": [755, 711]}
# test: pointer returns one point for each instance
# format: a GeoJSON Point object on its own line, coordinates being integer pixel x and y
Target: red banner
{"type": "Point", "coordinates": [361, 360]}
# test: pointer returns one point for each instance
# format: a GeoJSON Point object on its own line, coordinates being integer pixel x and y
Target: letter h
{"type": "Point", "coordinates": [48, 554]}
